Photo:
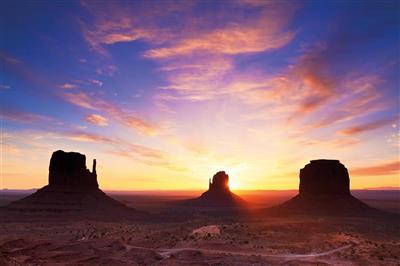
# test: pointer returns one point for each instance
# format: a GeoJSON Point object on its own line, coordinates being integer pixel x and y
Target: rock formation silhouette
{"type": "Point", "coordinates": [324, 188]}
{"type": "Point", "coordinates": [69, 169]}
{"type": "Point", "coordinates": [324, 177]}
{"type": "Point", "coordinates": [220, 182]}
{"type": "Point", "coordinates": [72, 187]}
{"type": "Point", "coordinates": [218, 194]}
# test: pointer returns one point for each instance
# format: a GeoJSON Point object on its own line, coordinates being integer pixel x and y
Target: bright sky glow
{"type": "Point", "coordinates": [164, 94]}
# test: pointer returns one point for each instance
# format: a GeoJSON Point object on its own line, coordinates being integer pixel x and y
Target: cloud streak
{"type": "Point", "coordinates": [84, 100]}
{"type": "Point", "coordinates": [231, 40]}
{"type": "Point", "coordinates": [389, 168]}
{"type": "Point", "coordinates": [24, 117]}
{"type": "Point", "coordinates": [365, 127]}
{"type": "Point", "coordinates": [96, 120]}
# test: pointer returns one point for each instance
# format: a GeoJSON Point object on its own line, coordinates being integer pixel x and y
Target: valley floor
{"type": "Point", "coordinates": [203, 241]}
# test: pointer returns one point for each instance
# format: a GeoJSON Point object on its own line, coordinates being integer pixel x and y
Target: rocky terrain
{"type": "Point", "coordinates": [203, 241]}
{"type": "Point", "coordinates": [72, 222]}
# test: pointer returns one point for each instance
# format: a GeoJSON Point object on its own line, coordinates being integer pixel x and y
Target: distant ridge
{"type": "Point", "coordinates": [380, 188]}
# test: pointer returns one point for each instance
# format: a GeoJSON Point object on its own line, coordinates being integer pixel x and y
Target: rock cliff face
{"type": "Point", "coordinates": [69, 169]}
{"type": "Point", "coordinates": [324, 189]}
{"type": "Point", "coordinates": [72, 187]}
{"type": "Point", "coordinates": [220, 182]}
{"type": "Point", "coordinates": [324, 177]}
{"type": "Point", "coordinates": [218, 194]}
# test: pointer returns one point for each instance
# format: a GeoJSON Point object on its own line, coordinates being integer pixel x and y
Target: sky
{"type": "Point", "coordinates": [166, 93]}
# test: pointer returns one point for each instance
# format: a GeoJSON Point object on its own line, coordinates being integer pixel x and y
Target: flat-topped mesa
{"type": "Point", "coordinates": [220, 182]}
{"type": "Point", "coordinates": [324, 190]}
{"type": "Point", "coordinates": [68, 169]}
{"type": "Point", "coordinates": [324, 177]}
{"type": "Point", "coordinates": [218, 195]}
{"type": "Point", "coordinates": [73, 189]}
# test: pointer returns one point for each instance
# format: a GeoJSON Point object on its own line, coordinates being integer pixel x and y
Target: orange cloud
{"type": "Point", "coordinates": [120, 147]}
{"type": "Point", "coordinates": [231, 40]}
{"type": "Point", "coordinates": [10, 149]}
{"type": "Point", "coordinates": [389, 168]}
{"type": "Point", "coordinates": [91, 102]}
{"type": "Point", "coordinates": [80, 99]}
{"type": "Point", "coordinates": [329, 143]}
{"type": "Point", "coordinates": [108, 31]}
{"type": "Point", "coordinates": [96, 120]}
{"type": "Point", "coordinates": [359, 96]}
{"type": "Point", "coordinates": [68, 86]}
{"type": "Point", "coordinates": [196, 82]}
{"type": "Point", "coordinates": [167, 165]}
{"type": "Point", "coordinates": [114, 23]}
{"type": "Point", "coordinates": [196, 146]}
{"type": "Point", "coordinates": [87, 137]}
{"type": "Point", "coordinates": [369, 126]}
{"type": "Point", "coordinates": [132, 150]}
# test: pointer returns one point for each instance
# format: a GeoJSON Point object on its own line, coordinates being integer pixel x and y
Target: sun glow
{"type": "Point", "coordinates": [233, 184]}
{"type": "Point", "coordinates": [224, 93]}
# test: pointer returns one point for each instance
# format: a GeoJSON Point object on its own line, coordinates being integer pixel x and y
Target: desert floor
{"type": "Point", "coordinates": [169, 238]}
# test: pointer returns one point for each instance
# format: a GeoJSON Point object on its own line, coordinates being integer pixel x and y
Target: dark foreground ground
{"type": "Point", "coordinates": [170, 238]}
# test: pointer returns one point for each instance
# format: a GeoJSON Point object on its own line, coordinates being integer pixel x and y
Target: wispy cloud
{"type": "Point", "coordinates": [68, 86]}
{"type": "Point", "coordinates": [85, 137]}
{"type": "Point", "coordinates": [201, 66]}
{"type": "Point", "coordinates": [231, 40]}
{"type": "Point", "coordinates": [23, 71]}
{"type": "Point", "coordinates": [96, 120]}
{"type": "Point", "coordinates": [388, 168]}
{"type": "Point", "coordinates": [96, 82]}
{"type": "Point", "coordinates": [365, 127]}
{"type": "Point", "coordinates": [84, 100]}
{"type": "Point", "coordinates": [132, 150]}
{"type": "Point", "coordinates": [4, 87]}
{"type": "Point", "coordinates": [113, 23]}
{"type": "Point", "coordinates": [332, 144]}
{"type": "Point", "coordinates": [43, 141]}
{"type": "Point", "coordinates": [24, 117]}
{"type": "Point", "coordinates": [9, 59]}
{"type": "Point", "coordinates": [359, 96]}
{"type": "Point", "coordinates": [197, 58]}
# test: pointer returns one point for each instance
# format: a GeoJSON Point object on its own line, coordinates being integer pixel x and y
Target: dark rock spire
{"type": "Point", "coordinates": [94, 166]}
{"type": "Point", "coordinates": [69, 169]}
{"type": "Point", "coordinates": [218, 194]}
{"type": "Point", "coordinates": [220, 182]}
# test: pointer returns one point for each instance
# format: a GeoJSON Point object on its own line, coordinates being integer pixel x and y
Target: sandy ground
{"type": "Point", "coordinates": [263, 241]}
{"type": "Point", "coordinates": [203, 239]}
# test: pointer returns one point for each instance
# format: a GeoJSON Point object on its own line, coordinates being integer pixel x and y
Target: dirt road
{"type": "Point", "coordinates": [165, 253]}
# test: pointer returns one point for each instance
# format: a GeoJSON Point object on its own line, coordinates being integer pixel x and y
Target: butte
{"type": "Point", "coordinates": [72, 189]}
{"type": "Point", "coordinates": [218, 195]}
{"type": "Point", "coordinates": [324, 189]}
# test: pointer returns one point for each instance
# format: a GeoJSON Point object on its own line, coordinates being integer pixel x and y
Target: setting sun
{"type": "Point", "coordinates": [248, 87]}
{"type": "Point", "coordinates": [233, 184]}
{"type": "Point", "coordinates": [199, 132]}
